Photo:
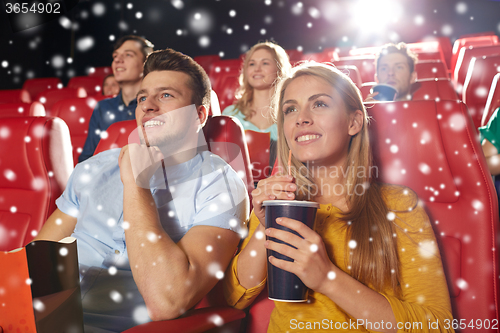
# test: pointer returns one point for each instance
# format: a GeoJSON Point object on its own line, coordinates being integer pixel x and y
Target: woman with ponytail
{"type": "Point", "coordinates": [371, 263]}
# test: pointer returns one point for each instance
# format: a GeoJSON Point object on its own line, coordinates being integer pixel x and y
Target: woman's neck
{"type": "Point", "coordinates": [331, 185]}
{"type": "Point", "coordinates": [261, 108]}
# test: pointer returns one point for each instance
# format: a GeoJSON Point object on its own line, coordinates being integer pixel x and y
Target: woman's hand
{"type": "Point", "coordinates": [311, 262]}
{"type": "Point", "coordinates": [272, 188]}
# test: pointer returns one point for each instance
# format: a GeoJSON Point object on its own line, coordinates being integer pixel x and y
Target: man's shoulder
{"type": "Point", "coordinates": [215, 163]}
{"type": "Point", "coordinates": [107, 158]}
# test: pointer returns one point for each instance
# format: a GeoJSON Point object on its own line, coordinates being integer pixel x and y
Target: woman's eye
{"type": "Point", "coordinates": [319, 104]}
{"type": "Point", "coordinates": [288, 110]}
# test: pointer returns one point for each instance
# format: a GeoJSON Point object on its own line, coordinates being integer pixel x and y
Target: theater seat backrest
{"type": "Point", "coordinates": [100, 71]}
{"type": "Point", "coordinates": [206, 61]}
{"type": "Point", "coordinates": [432, 148]}
{"type": "Point", "coordinates": [474, 41]}
{"type": "Point", "coordinates": [221, 68]}
{"type": "Point", "coordinates": [431, 69]}
{"type": "Point", "coordinates": [224, 136]}
{"type": "Point", "coordinates": [91, 84]}
{"type": "Point", "coordinates": [465, 55]}
{"type": "Point", "coordinates": [35, 109]}
{"type": "Point", "coordinates": [429, 89]}
{"type": "Point", "coordinates": [353, 73]}
{"type": "Point", "coordinates": [35, 164]}
{"type": "Point", "coordinates": [50, 97]}
{"type": "Point", "coordinates": [478, 83]}
{"type": "Point", "coordinates": [36, 86]}
{"type": "Point", "coordinates": [228, 84]}
{"type": "Point", "coordinates": [258, 149]}
{"type": "Point", "coordinates": [365, 65]}
{"type": "Point", "coordinates": [76, 112]}
{"type": "Point", "coordinates": [14, 96]}
{"type": "Point", "coordinates": [493, 101]}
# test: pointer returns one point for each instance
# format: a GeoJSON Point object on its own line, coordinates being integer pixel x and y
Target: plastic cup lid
{"type": "Point", "coordinates": [290, 203]}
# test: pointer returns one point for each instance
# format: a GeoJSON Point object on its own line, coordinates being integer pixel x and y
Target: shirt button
{"type": "Point", "coordinates": [117, 252]}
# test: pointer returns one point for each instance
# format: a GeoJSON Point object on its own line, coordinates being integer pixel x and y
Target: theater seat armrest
{"type": "Point", "coordinates": [199, 320]}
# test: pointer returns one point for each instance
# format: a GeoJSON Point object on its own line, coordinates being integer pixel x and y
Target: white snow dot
{"type": "Point", "coordinates": [140, 314]}
{"type": "Point", "coordinates": [38, 305]}
{"type": "Point", "coordinates": [178, 4]}
{"type": "Point", "coordinates": [111, 37]}
{"type": "Point", "coordinates": [314, 12]}
{"type": "Point", "coordinates": [13, 209]}
{"type": "Point", "coordinates": [63, 251]}
{"type": "Point", "coordinates": [130, 6]}
{"type": "Point", "coordinates": [219, 275]}
{"type": "Point", "coordinates": [57, 61]}
{"type": "Point", "coordinates": [391, 216]}
{"type": "Point", "coordinates": [419, 20]}
{"type": "Point", "coordinates": [427, 249]}
{"type": "Point", "coordinates": [111, 222]}
{"type": "Point", "coordinates": [112, 270]}
{"type": "Point", "coordinates": [424, 168]}
{"type": "Point", "coordinates": [34, 233]}
{"type": "Point", "coordinates": [331, 275]}
{"type": "Point", "coordinates": [313, 248]}
{"type": "Point", "coordinates": [4, 132]}
{"type": "Point", "coordinates": [9, 174]}
{"type": "Point", "coordinates": [461, 8]}
{"type": "Point", "coordinates": [209, 248]}
{"type": "Point", "coordinates": [352, 244]}
{"type": "Point", "coordinates": [233, 223]}
{"type": "Point", "coordinates": [478, 205]}
{"type": "Point", "coordinates": [58, 221]}
{"type": "Point", "coordinates": [232, 13]}
{"type": "Point", "coordinates": [125, 225]}
{"type": "Point", "coordinates": [462, 284]}
{"type": "Point", "coordinates": [116, 296]}
{"type": "Point", "coordinates": [5, 64]}
{"type": "Point", "coordinates": [246, 27]}
{"type": "Point", "coordinates": [104, 135]}
{"type": "Point", "coordinates": [138, 15]}
{"type": "Point", "coordinates": [216, 319]}
{"type": "Point", "coordinates": [229, 31]}
{"type": "Point", "coordinates": [394, 149]}
{"type": "Point", "coordinates": [152, 237]}
{"type": "Point", "coordinates": [259, 235]}
{"type": "Point", "coordinates": [253, 253]}
{"type": "Point", "coordinates": [262, 31]}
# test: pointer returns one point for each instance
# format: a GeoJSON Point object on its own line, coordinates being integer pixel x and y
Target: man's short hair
{"type": "Point", "coordinates": [146, 45]}
{"type": "Point", "coordinates": [171, 60]}
{"type": "Point", "coordinates": [400, 48]}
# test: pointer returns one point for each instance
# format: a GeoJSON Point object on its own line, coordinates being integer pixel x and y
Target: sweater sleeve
{"type": "Point", "coordinates": [425, 302]}
{"type": "Point", "coordinates": [236, 295]}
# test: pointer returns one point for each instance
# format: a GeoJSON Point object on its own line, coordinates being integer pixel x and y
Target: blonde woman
{"type": "Point", "coordinates": [362, 262]}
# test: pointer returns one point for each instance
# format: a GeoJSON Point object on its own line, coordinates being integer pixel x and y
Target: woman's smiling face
{"type": "Point", "coordinates": [316, 124]}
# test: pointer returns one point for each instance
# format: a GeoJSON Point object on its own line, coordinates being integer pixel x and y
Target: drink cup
{"type": "Point", "coordinates": [385, 92]}
{"type": "Point", "coordinates": [282, 285]}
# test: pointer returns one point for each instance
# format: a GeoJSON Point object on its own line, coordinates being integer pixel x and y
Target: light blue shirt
{"type": "Point", "coordinates": [202, 191]}
{"type": "Point", "coordinates": [231, 111]}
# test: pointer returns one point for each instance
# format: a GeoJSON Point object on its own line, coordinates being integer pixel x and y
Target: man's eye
{"type": "Point", "coordinates": [166, 95]}
{"type": "Point", "coordinates": [141, 99]}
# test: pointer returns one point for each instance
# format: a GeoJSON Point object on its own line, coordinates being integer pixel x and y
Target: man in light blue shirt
{"type": "Point", "coordinates": [156, 223]}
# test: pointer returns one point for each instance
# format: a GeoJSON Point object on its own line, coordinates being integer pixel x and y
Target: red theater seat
{"type": "Point", "coordinates": [464, 57]}
{"type": "Point", "coordinates": [427, 89]}
{"type": "Point", "coordinates": [431, 69]}
{"type": "Point", "coordinates": [50, 97]}
{"type": "Point", "coordinates": [206, 61]}
{"type": "Point", "coordinates": [439, 157]}
{"type": "Point", "coordinates": [327, 55]}
{"type": "Point", "coordinates": [222, 68]}
{"type": "Point", "coordinates": [258, 150]}
{"type": "Point", "coordinates": [36, 86]}
{"type": "Point", "coordinates": [100, 71]}
{"type": "Point", "coordinates": [14, 96]}
{"type": "Point", "coordinates": [226, 89]}
{"type": "Point", "coordinates": [35, 109]}
{"type": "Point", "coordinates": [478, 84]}
{"type": "Point", "coordinates": [91, 84]}
{"type": "Point", "coordinates": [35, 162]}
{"type": "Point", "coordinates": [352, 72]}
{"type": "Point", "coordinates": [76, 112]}
{"type": "Point", "coordinates": [473, 40]}
{"type": "Point", "coordinates": [365, 65]}
{"type": "Point", "coordinates": [493, 101]}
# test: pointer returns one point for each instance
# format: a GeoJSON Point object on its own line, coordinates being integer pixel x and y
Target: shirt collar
{"type": "Point", "coordinates": [176, 173]}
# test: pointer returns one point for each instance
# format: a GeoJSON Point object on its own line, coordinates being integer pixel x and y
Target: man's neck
{"type": "Point", "coordinates": [129, 91]}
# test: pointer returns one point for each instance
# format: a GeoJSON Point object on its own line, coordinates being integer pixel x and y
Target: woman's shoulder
{"type": "Point", "coordinates": [399, 198]}
{"type": "Point", "coordinates": [231, 110]}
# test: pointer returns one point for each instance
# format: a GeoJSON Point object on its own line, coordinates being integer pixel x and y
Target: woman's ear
{"type": "Point", "coordinates": [356, 123]}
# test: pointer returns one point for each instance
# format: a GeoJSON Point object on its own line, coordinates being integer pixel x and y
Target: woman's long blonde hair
{"type": "Point", "coordinates": [244, 94]}
{"type": "Point", "coordinates": [374, 261]}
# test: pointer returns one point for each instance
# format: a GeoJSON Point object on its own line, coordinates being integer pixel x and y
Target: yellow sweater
{"type": "Point", "coordinates": [424, 306]}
